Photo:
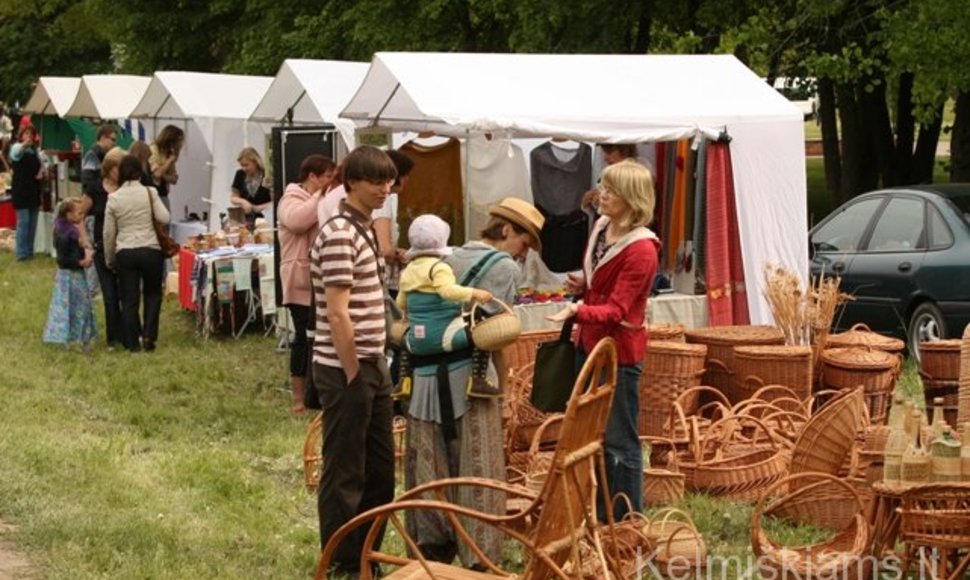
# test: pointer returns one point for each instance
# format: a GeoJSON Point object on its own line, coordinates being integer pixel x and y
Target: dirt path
{"type": "Point", "coordinates": [13, 565]}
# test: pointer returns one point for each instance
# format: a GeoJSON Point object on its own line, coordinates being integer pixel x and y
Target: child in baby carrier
{"type": "Point", "coordinates": [431, 300]}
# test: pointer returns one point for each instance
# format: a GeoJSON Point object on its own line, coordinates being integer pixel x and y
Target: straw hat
{"type": "Point", "coordinates": [522, 214]}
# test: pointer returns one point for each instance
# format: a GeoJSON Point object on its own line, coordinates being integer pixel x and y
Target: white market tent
{"type": "Point", "coordinates": [214, 110]}
{"type": "Point", "coordinates": [53, 96]}
{"type": "Point", "coordinates": [108, 97]}
{"type": "Point", "coordinates": [616, 98]}
{"type": "Point", "coordinates": [315, 91]}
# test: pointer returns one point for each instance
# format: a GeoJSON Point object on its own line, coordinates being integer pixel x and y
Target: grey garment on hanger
{"type": "Point", "coordinates": [558, 186]}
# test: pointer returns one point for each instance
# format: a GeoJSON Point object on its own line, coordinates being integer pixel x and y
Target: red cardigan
{"type": "Point", "coordinates": [615, 301]}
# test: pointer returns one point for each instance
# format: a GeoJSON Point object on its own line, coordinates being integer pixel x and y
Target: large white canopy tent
{"type": "Point", "coordinates": [312, 92]}
{"type": "Point", "coordinates": [619, 99]}
{"type": "Point", "coordinates": [214, 110]}
{"type": "Point", "coordinates": [52, 96]}
{"type": "Point", "coordinates": [108, 97]}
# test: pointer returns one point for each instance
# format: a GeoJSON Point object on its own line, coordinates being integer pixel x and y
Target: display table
{"type": "Point", "coordinates": [691, 311]}
{"type": "Point", "coordinates": [227, 287]}
{"type": "Point", "coordinates": [8, 215]}
{"type": "Point", "coordinates": [884, 516]}
{"type": "Point", "coordinates": [182, 230]}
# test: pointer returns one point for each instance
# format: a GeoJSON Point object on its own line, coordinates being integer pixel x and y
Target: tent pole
{"type": "Point", "coordinates": [377, 117]}
{"type": "Point", "coordinates": [464, 185]}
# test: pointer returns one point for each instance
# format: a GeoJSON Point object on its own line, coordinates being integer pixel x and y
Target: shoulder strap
{"type": "Point", "coordinates": [151, 203]}
{"type": "Point", "coordinates": [360, 229]}
{"type": "Point", "coordinates": [484, 264]}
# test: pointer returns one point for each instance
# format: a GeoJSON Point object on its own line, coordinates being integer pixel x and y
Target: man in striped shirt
{"type": "Point", "coordinates": [349, 367]}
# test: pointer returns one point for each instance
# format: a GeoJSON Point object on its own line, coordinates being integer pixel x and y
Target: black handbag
{"type": "Point", "coordinates": [555, 372]}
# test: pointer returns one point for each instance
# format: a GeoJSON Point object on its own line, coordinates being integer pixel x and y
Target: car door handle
{"type": "Point", "coordinates": [905, 266]}
{"type": "Point", "coordinates": [838, 267]}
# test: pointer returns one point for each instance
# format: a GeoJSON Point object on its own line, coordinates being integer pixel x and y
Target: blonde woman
{"type": "Point", "coordinates": [618, 270]}
{"type": "Point", "coordinates": [248, 189]}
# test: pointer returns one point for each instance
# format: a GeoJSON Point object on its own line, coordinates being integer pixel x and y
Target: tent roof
{"type": "Point", "coordinates": [585, 97]}
{"type": "Point", "coordinates": [190, 95]}
{"type": "Point", "coordinates": [315, 90]}
{"type": "Point", "coordinates": [108, 96]}
{"type": "Point", "coordinates": [53, 95]}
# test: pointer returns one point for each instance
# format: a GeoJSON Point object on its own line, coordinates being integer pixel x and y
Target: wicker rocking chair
{"type": "Point", "coordinates": [556, 540]}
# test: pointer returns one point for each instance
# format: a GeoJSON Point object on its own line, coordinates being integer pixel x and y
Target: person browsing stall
{"type": "Point", "coordinates": [618, 269]}
{"type": "Point", "coordinates": [249, 190]}
{"type": "Point", "coordinates": [349, 365]}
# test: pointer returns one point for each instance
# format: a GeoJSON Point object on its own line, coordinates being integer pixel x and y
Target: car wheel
{"type": "Point", "coordinates": [925, 324]}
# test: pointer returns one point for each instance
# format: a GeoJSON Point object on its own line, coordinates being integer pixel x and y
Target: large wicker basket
{"type": "Point", "coordinates": [940, 359]}
{"type": "Point", "coordinates": [669, 369]}
{"type": "Point", "coordinates": [875, 370]}
{"type": "Point", "coordinates": [829, 436]}
{"type": "Point", "coordinates": [757, 366]}
{"type": "Point", "coordinates": [860, 335]}
{"type": "Point", "coordinates": [721, 340]}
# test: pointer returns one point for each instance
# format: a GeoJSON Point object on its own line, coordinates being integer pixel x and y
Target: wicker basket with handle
{"type": "Point", "coordinates": [497, 331]}
{"type": "Point", "coordinates": [860, 335]}
{"type": "Point", "coordinates": [940, 359]}
{"type": "Point", "coordinates": [669, 369]}
{"type": "Point", "coordinates": [829, 436]}
{"type": "Point", "coordinates": [663, 486]}
{"type": "Point", "coordinates": [757, 366]}
{"type": "Point", "coordinates": [721, 340]}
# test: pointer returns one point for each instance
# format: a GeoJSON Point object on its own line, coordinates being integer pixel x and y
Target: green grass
{"type": "Point", "coordinates": [183, 463]}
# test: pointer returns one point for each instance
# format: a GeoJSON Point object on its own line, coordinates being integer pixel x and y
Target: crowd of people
{"type": "Point", "coordinates": [341, 267]}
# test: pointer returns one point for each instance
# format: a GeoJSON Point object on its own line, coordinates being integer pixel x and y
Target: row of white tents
{"type": "Point", "coordinates": [590, 98]}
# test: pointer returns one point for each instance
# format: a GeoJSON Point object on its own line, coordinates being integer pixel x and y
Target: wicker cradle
{"type": "Point", "coordinates": [940, 359]}
{"type": "Point", "coordinates": [860, 335]}
{"type": "Point", "coordinates": [757, 366]}
{"type": "Point", "coordinates": [721, 340]}
{"type": "Point", "coordinates": [875, 370]}
{"type": "Point", "coordinates": [669, 369]}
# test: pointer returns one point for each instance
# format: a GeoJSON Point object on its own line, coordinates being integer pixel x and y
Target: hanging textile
{"type": "Point", "coordinates": [678, 199]}
{"type": "Point", "coordinates": [658, 188]}
{"type": "Point", "coordinates": [700, 227]}
{"type": "Point", "coordinates": [434, 186]}
{"type": "Point", "coordinates": [494, 169]}
{"type": "Point", "coordinates": [727, 302]}
{"type": "Point", "coordinates": [560, 178]}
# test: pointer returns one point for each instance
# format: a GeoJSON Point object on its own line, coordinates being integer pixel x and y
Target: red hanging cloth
{"type": "Point", "coordinates": [727, 301]}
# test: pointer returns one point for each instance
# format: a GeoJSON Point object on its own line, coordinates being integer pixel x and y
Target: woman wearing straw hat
{"type": "Point", "coordinates": [618, 270]}
{"type": "Point", "coordinates": [464, 438]}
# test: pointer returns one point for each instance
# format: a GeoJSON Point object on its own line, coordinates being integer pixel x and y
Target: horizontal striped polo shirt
{"type": "Point", "coordinates": [342, 256]}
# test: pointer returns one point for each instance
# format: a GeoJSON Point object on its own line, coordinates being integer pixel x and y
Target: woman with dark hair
{"type": "Point", "coordinates": [298, 228]}
{"type": "Point", "coordinates": [143, 152]}
{"type": "Point", "coordinates": [28, 171]}
{"type": "Point", "coordinates": [164, 155]}
{"type": "Point", "coordinates": [131, 249]}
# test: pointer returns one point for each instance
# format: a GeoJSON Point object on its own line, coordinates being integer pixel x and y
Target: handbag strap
{"type": "Point", "coordinates": [151, 203]}
{"type": "Point", "coordinates": [370, 242]}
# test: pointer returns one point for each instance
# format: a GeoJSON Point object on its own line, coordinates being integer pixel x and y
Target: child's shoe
{"type": "Point", "coordinates": [402, 389]}
{"type": "Point", "coordinates": [478, 384]}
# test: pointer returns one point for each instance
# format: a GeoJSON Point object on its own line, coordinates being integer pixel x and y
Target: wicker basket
{"type": "Point", "coordinates": [875, 370]}
{"type": "Point", "coordinates": [664, 522]}
{"type": "Point", "coordinates": [837, 557]}
{"type": "Point", "coordinates": [523, 351]}
{"type": "Point", "coordinates": [495, 332]}
{"type": "Point", "coordinates": [829, 436]}
{"type": "Point", "coordinates": [757, 366]}
{"type": "Point", "coordinates": [669, 369]}
{"type": "Point", "coordinates": [818, 499]}
{"type": "Point", "coordinates": [668, 332]}
{"type": "Point", "coordinates": [313, 454]}
{"type": "Point", "coordinates": [963, 413]}
{"type": "Point", "coordinates": [663, 486]}
{"type": "Point", "coordinates": [721, 340]}
{"type": "Point", "coordinates": [940, 359]}
{"type": "Point", "coordinates": [860, 335]}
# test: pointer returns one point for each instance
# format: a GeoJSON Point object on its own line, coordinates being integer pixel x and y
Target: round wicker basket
{"type": "Point", "coordinates": [875, 370]}
{"type": "Point", "coordinates": [860, 335]}
{"type": "Point", "coordinates": [496, 332]}
{"type": "Point", "coordinates": [940, 359]}
{"type": "Point", "coordinates": [721, 340]}
{"type": "Point", "coordinates": [757, 366]}
{"type": "Point", "coordinates": [671, 332]}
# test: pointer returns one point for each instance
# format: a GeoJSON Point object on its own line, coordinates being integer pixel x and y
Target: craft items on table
{"type": "Point", "coordinates": [221, 274]}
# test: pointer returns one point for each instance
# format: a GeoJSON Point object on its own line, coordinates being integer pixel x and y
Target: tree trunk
{"type": "Point", "coordinates": [830, 138]}
{"type": "Point", "coordinates": [876, 112]}
{"type": "Point", "coordinates": [905, 130]}
{"type": "Point", "coordinates": [925, 156]}
{"type": "Point", "coordinates": [960, 140]}
{"type": "Point", "coordinates": [853, 142]}
{"type": "Point", "coordinates": [641, 44]}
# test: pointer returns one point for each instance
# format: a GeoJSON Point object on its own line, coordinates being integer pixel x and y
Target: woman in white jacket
{"type": "Point", "coordinates": [131, 249]}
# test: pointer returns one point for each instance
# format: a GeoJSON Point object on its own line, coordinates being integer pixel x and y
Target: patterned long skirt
{"type": "Point", "coordinates": [478, 452]}
{"type": "Point", "coordinates": [71, 316]}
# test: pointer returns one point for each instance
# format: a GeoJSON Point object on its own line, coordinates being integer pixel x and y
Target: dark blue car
{"type": "Point", "coordinates": [904, 255]}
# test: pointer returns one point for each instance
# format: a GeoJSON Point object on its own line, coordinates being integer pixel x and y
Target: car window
{"type": "Point", "coordinates": [940, 234]}
{"type": "Point", "coordinates": [842, 232]}
{"type": "Point", "coordinates": [900, 227]}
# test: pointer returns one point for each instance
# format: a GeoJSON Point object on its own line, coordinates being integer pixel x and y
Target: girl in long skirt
{"type": "Point", "coordinates": [71, 316]}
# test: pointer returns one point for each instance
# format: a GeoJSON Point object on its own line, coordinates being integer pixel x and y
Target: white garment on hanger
{"type": "Point", "coordinates": [493, 169]}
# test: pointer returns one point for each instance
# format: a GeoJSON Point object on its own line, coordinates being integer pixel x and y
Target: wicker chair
{"type": "Point", "coordinates": [313, 450]}
{"type": "Point", "coordinates": [556, 541]}
{"type": "Point", "coordinates": [937, 517]}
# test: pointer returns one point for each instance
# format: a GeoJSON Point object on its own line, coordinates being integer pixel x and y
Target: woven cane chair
{"type": "Point", "coordinates": [555, 540]}
{"type": "Point", "coordinates": [936, 518]}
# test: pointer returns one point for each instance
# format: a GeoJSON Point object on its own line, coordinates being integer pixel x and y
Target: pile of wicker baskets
{"type": "Point", "coordinates": [720, 342]}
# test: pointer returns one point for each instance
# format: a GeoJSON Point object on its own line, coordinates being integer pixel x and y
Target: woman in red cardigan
{"type": "Point", "coordinates": [618, 272]}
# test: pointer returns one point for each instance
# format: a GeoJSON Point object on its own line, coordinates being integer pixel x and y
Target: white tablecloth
{"type": "Point", "coordinates": [691, 311]}
{"type": "Point", "coordinates": [182, 230]}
